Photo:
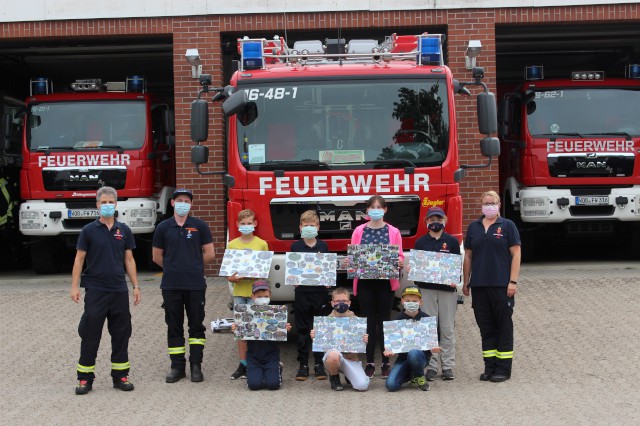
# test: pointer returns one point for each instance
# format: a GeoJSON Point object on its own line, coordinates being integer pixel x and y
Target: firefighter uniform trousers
{"type": "Point", "coordinates": [175, 304]}
{"type": "Point", "coordinates": [98, 306]}
{"type": "Point", "coordinates": [493, 311]}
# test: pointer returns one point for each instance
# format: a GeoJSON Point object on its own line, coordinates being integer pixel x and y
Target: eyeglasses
{"type": "Point", "coordinates": [490, 204]}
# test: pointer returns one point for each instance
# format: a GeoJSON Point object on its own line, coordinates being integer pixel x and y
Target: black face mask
{"type": "Point", "coordinates": [341, 308]}
{"type": "Point", "coordinates": [435, 226]}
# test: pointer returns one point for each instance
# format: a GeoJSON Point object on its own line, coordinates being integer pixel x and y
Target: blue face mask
{"type": "Point", "coordinates": [246, 229]}
{"type": "Point", "coordinates": [309, 232]}
{"type": "Point", "coordinates": [376, 214]}
{"type": "Point", "coordinates": [107, 210]}
{"type": "Point", "coordinates": [182, 208]}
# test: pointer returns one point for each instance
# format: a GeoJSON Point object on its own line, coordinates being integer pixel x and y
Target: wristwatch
{"type": "Point", "coordinates": [513, 282]}
{"type": "Point", "coordinates": [135, 286]}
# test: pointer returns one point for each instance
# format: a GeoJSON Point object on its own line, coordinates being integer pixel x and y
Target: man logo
{"type": "Point", "coordinates": [345, 225]}
{"type": "Point", "coordinates": [84, 177]}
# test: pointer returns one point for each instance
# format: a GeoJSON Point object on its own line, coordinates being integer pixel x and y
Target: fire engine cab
{"type": "Point", "coordinates": [326, 125]}
{"type": "Point", "coordinates": [74, 142]}
{"type": "Point", "coordinates": [569, 164]}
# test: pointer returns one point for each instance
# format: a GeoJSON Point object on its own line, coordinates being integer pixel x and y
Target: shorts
{"type": "Point", "coordinates": [239, 300]}
{"type": "Point", "coordinates": [353, 371]}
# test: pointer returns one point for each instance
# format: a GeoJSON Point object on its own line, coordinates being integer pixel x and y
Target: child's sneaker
{"type": "Point", "coordinates": [431, 375]}
{"type": "Point", "coordinates": [84, 387]}
{"type": "Point", "coordinates": [335, 383]}
{"type": "Point", "coordinates": [303, 373]}
{"type": "Point", "coordinates": [386, 369]}
{"type": "Point", "coordinates": [240, 373]}
{"type": "Point", "coordinates": [422, 383]}
{"type": "Point", "coordinates": [447, 374]}
{"type": "Point", "coordinates": [369, 370]}
{"type": "Point", "coordinates": [320, 373]}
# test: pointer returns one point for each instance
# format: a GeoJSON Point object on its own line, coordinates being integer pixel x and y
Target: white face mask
{"type": "Point", "coordinates": [261, 300]}
{"type": "Point", "coordinates": [411, 306]}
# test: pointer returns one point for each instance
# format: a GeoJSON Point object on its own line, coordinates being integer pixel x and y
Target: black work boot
{"type": "Point", "coordinates": [123, 384]}
{"type": "Point", "coordinates": [335, 382]}
{"type": "Point", "coordinates": [174, 375]}
{"type": "Point", "coordinates": [196, 372]}
{"type": "Point", "coordinates": [84, 387]}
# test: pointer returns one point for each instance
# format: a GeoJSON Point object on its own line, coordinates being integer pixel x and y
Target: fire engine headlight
{"type": "Point", "coordinates": [26, 215]}
{"type": "Point", "coordinates": [532, 207]}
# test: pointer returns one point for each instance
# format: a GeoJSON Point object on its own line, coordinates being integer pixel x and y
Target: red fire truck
{"type": "Point", "coordinates": [324, 126]}
{"type": "Point", "coordinates": [569, 165]}
{"type": "Point", "coordinates": [74, 142]}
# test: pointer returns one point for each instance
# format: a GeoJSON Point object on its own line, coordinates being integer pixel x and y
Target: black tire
{"type": "Point", "coordinates": [43, 259]}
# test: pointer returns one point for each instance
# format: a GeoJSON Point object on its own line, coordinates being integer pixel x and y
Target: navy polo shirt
{"type": "Point", "coordinates": [105, 255]}
{"type": "Point", "coordinates": [490, 257]}
{"type": "Point", "coordinates": [301, 247]}
{"type": "Point", "coordinates": [182, 260]}
{"type": "Point", "coordinates": [445, 244]}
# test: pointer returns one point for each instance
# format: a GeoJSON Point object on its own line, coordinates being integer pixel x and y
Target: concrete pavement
{"type": "Point", "coordinates": [576, 361]}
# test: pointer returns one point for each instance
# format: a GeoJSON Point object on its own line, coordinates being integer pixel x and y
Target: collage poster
{"type": "Point", "coordinates": [404, 335]}
{"type": "Point", "coordinates": [310, 269]}
{"type": "Point", "coordinates": [247, 263]}
{"type": "Point", "coordinates": [372, 261]}
{"type": "Point", "coordinates": [260, 322]}
{"type": "Point", "coordinates": [343, 334]}
{"type": "Point", "coordinates": [435, 267]}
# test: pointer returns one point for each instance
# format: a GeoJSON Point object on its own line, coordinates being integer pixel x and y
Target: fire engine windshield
{"type": "Point", "coordinates": [86, 125]}
{"type": "Point", "coordinates": [355, 124]}
{"type": "Point", "coordinates": [585, 112]}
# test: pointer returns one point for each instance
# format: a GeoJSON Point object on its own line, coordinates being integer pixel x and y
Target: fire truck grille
{"type": "Point", "coordinates": [591, 166]}
{"type": "Point", "coordinates": [92, 179]}
{"type": "Point", "coordinates": [339, 221]}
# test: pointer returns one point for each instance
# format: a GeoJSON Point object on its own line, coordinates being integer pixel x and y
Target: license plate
{"type": "Point", "coordinates": [592, 200]}
{"type": "Point", "coordinates": [78, 214]}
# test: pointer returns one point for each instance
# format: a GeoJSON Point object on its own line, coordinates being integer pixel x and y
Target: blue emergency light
{"type": "Point", "coordinates": [633, 71]}
{"type": "Point", "coordinates": [135, 83]}
{"type": "Point", "coordinates": [252, 55]}
{"type": "Point", "coordinates": [534, 72]}
{"type": "Point", "coordinates": [41, 86]}
{"type": "Point", "coordinates": [430, 51]}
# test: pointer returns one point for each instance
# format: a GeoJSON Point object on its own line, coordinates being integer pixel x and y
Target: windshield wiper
{"type": "Point", "coordinates": [47, 149]}
{"type": "Point", "coordinates": [559, 134]}
{"type": "Point", "coordinates": [391, 161]}
{"type": "Point", "coordinates": [627, 135]}
{"type": "Point", "coordinates": [119, 148]}
{"type": "Point", "coordinates": [293, 165]}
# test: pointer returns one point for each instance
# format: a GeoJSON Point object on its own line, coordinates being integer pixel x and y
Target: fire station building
{"type": "Point", "coordinates": [65, 41]}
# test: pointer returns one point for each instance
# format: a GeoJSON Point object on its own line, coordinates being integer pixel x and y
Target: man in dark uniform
{"type": "Point", "coordinates": [181, 246]}
{"type": "Point", "coordinates": [107, 246]}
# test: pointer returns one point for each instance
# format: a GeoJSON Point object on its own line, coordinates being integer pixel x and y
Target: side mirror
{"type": "Point", "coordinates": [490, 147]}
{"type": "Point", "coordinates": [199, 154]}
{"type": "Point", "coordinates": [235, 103]}
{"type": "Point", "coordinates": [6, 131]}
{"type": "Point", "coordinates": [34, 121]}
{"type": "Point", "coordinates": [248, 114]}
{"type": "Point", "coordinates": [487, 114]}
{"type": "Point", "coordinates": [170, 126]}
{"type": "Point", "coordinates": [199, 120]}
{"type": "Point", "coordinates": [504, 110]}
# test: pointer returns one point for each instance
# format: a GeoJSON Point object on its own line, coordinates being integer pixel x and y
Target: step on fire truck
{"type": "Point", "coordinates": [325, 126]}
{"type": "Point", "coordinates": [569, 164]}
{"type": "Point", "coordinates": [98, 134]}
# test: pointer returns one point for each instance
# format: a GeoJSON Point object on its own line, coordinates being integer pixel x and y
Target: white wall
{"type": "Point", "coordinates": [50, 10]}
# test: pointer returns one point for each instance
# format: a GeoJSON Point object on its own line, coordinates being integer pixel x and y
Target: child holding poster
{"type": "Point", "coordinates": [410, 366]}
{"type": "Point", "coordinates": [440, 300]}
{"type": "Point", "coordinates": [346, 363]}
{"type": "Point", "coordinates": [309, 300]}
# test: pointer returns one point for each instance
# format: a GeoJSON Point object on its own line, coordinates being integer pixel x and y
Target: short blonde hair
{"type": "Point", "coordinates": [338, 291]}
{"type": "Point", "coordinates": [245, 214]}
{"type": "Point", "coordinates": [309, 216]}
{"type": "Point", "coordinates": [493, 194]}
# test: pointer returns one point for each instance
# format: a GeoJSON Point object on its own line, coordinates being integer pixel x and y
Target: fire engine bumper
{"type": "Point", "coordinates": [39, 218]}
{"type": "Point", "coordinates": [544, 205]}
